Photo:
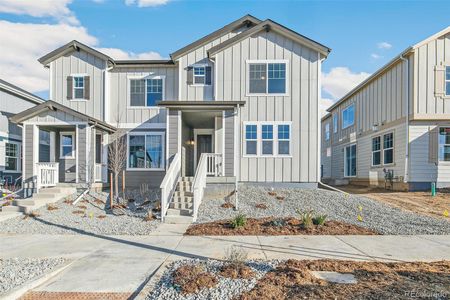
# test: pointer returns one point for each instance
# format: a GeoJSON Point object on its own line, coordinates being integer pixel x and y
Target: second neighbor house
{"type": "Point", "coordinates": [396, 122]}
{"type": "Point", "coordinates": [238, 105]}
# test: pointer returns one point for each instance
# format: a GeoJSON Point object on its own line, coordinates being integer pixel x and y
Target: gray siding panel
{"type": "Point", "coordinates": [82, 158]}
{"type": "Point", "coordinates": [173, 132]}
{"type": "Point", "coordinates": [229, 143]}
{"type": "Point", "coordinates": [135, 179]}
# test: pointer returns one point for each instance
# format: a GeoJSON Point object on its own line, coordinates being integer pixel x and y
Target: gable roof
{"type": "Point", "coordinates": [4, 85]}
{"type": "Point", "coordinates": [54, 106]}
{"type": "Point", "coordinates": [69, 47]}
{"type": "Point", "coordinates": [247, 19]}
{"type": "Point", "coordinates": [271, 25]}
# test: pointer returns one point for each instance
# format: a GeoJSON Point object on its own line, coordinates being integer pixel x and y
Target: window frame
{"type": "Point", "coordinates": [72, 153]}
{"type": "Point", "coordinates": [382, 149]}
{"type": "Point", "coordinates": [345, 160]}
{"type": "Point", "coordinates": [275, 139]}
{"type": "Point", "coordinates": [446, 81]}
{"type": "Point", "coordinates": [390, 148]}
{"type": "Point", "coordinates": [343, 125]}
{"type": "Point", "coordinates": [268, 140]}
{"type": "Point", "coordinates": [441, 145]}
{"type": "Point", "coordinates": [335, 122]}
{"type": "Point", "coordinates": [145, 134]}
{"type": "Point", "coordinates": [163, 96]}
{"type": "Point", "coordinates": [377, 151]}
{"type": "Point", "coordinates": [203, 66]}
{"type": "Point", "coordinates": [82, 76]}
{"type": "Point", "coordinates": [327, 131]}
{"type": "Point", "coordinates": [18, 157]}
{"type": "Point", "coordinates": [246, 140]}
{"type": "Point", "coordinates": [267, 62]}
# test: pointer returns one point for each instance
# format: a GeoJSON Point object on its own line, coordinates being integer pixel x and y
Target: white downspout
{"type": "Point", "coordinates": [406, 177]}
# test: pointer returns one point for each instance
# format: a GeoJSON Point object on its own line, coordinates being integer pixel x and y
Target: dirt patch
{"type": "Point", "coordinates": [82, 206]}
{"type": "Point", "coordinates": [52, 207]}
{"type": "Point", "coordinates": [101, 217]}
{"type": "Point", "coordinates": [281, 198]}
{"type": "Point", "coordinates": [272, 193]}
{"type": "Point", "coordinates": [375, 280]}
{"type": "Point", "coordinates": [274, 226]}
{"type": "Point", "coordinates": [418, 202]}
{"type": "Point", "coordinates": [227, 205]}
{"type": "Point", "coordinates": [261, 206]}
{"type": "Point", "coordinates": [78, 212]}
{"type": "Point", "coordinates": [191, 279]}
{"type": "Point", "coordinates": [235, 271]}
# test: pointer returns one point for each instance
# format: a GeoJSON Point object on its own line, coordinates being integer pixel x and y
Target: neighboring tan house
{"type": "Point", "coordinates": [396, 122]}
{"type": "Point", "coordinates": [12, 100]}
{"type": "Point", "coordinates": [238, 105]}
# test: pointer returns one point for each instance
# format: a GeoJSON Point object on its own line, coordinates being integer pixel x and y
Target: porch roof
{"type": "Point", "coordinates": [201, 105]}
{"type": "Point", "coordinates": [50, 105]}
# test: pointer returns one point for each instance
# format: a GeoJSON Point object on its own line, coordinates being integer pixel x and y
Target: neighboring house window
{"type": "Point", "coordinates": [284, 139]}
{"type": "Point", "coordinates": [12, 157]}
{"type": "Point", "coordinates": [388, 148]}
{"type": "Point", "coordinates": [335, 123]}
{"type": "Point", "coordinates": [444, 143]}
{"type": "Point", "coordinates": [447, 81]}
{"type": "Point", "coordinates": [376, 151]}
{"type": "Point", "coordinates": [348, 116]}
{"type": "Point", "coordinates": [350, 161]}
{"type": "Point", "coordinates": [251, 137]}
{"type": "Point", "coordinates": [78, 87]}
{"type": "Point", "coordinates": [146, 151]}
{"type": "Point", "coordinates": [267, 139]}
{"type": "Point", "coordinates": [67, 145]}
{"type": "Point", "coordinates": [146, 92]}
{"type": "Point", "coordinates": [267, 78]}
{"type": "Point", "coordinates": [327, 131]}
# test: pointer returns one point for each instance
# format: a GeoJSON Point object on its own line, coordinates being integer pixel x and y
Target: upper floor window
{"type": "Point", "coordinates": [444, 143]}
{"type": "Point", "coordinates": [348, 116]}
{"type": "Point", "coordinates": [78, 87]}
{"type": "Point", "coordinates": [327, 131]}
{"type": "Point", "coordinates": [199, 75]}
{"type": "Point", "coordinates": [335, 123]}
{"type": "Point", "coordinates": [267, 78]}
{"type": "Point", "coordinates": [447, 81]}
{"type": "Point", "coordinates": [12, 156]}
{"type": "Point", "coordinates": [146, 92]}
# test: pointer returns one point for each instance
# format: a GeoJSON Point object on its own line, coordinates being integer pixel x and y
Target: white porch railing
{"type": "Point", "coordinates": [98, 172]}
{"type": "Point", "coordinates": [47, 174]}
{"type": "Point", "coordinates": [199, 183]}
{"type": "Point", "coordinates": [169, 184]}
{"type": "Point", "coordinates": [214, 166]}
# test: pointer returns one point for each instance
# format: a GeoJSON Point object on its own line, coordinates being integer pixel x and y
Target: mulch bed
{"type": "Point", "coordinates": [375, 280]}
{"type": "Point", "coordinates": [266, 226]}
{"type": "Point", "coordinates": [235, 271]}
{"type": "Point", "coordinates": [191, 279]}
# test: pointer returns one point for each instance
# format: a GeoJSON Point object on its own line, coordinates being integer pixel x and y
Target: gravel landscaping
{"type": "Point", "coordinates": [372, 214]}
{"type": "Point", "coordinates": [15, 272]}
{"type": "Point", "coordinates": [88, 216]}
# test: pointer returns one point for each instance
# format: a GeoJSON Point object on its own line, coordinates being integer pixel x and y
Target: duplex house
{"type": "Point", "coordinates": [13, 99]}
{"type": "Point", "coordinates": [394, 127]}
{"type": "Point", "coordinates": [238, 105]}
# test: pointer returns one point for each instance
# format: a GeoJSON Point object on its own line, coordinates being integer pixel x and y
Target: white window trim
{"type": "Point", "coordinates": [259, 139]}
{"type": "Point", "coordinates": [447, 93]}
{"type": "Point", "coordinates": [342, 116]}
{"type": "Point", "coordinates": [73, 86]}
{"type": "Point", "coordinates": [145, 133]}
{"type": "Point", "coordinates": [327, 131]}
{"type": "Point", "coordinates": [345, 160]}
{"type": "Point", "coordinates": [19, 157]}
{"type": "Point", "coordinates": [163, 77]}
{"type": "Point", "coordinates": [381, 136]}
{"type": "Point", "coordinates": [335, 122]}
{"type": "Point", "coordinates": [193, 75]}
{"type": "Point", "coordinates": [381, 151]}
{"type": "Point", "coordinates": [71, 133]}
{"type": "Point", "coordinates": [267, 61]}
{"type": "Point", "coordinates": [393, 148]}
{"type": "Point", "coordinates": [274, 128]}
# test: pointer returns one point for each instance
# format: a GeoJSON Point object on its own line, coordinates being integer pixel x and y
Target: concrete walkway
{"type": "Point", "coordinates": [123, 264]}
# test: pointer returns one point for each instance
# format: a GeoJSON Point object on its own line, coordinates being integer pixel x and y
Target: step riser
{"type": "Point", "coordinates": [183, 199]}
{"type": "Point", "coordinates": [179, 212]}
{"type": "Point", "coordinates": [181, 205]}
{"type": "Point", "coordinates": [183, 194]}
{"type": "Point", "coordinates": [23, 202]}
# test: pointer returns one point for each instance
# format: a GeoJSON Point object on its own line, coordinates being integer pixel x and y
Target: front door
{"type": "Point", "coordinates": [204, 145]}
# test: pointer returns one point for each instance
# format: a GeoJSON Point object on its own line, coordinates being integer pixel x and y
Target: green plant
{"type": "Point", "coordinates": [319, 220]}
{"type": "Point", "coordinates": [239, 221]}
{"type": "Point", "coordinates": [307, 218]}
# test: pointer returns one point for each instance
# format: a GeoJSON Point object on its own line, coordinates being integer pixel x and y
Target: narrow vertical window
{"type": "Point", "coordinates": [388, 148]}
{"type": "Point", "coordinates": [67, 145]}
{"type": "Point", "coordinates": [327, 131]}
{"type": "Point", "coordinates": [251, 137]}
{"type": "Point", "coordinates": [335, 123]}
{"type": "Point", "coordinates": [283, 139]}
{"type": "Point", "coordinates": [376, 151]}
{"type": "Point", "coordinates": [154, 152]}
{"type": "Point", "coordinates": [348, 116]}
{"type": "Point", "coordinates": [258, 78]}
{"type": "Point", "coordinates": [350, 161]}
{"type": "Point", "coordinates": [444, 144]}
{"type": "Point", "coordinates": [137, 92]}
{"type": "Point", "coordinates": [267, 139]}
{"type": "Point", "coordinates": [277, 78]}
{"type": "Point", "coordinates": [136, 157]}
{"type": "Point", "coordinates": [447, 81]}
{"type": "Point", "coordinates": [154, 91]}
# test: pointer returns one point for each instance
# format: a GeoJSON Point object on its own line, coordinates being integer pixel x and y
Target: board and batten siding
{"type": "Point", "coordinates": [11, 104]}
{"type": "Point", "coordinates": [200, 56]}
{"type": "Point", "coordinates": [427, 56]}
{"type": "Point", "coordinates": [120, 109]}
{"type": "Point", "coordinates": [79, 62]}
{"type": "Point", "coordinates": [325, 145]}
{"type": "Point", "coordinates": [299, 105]}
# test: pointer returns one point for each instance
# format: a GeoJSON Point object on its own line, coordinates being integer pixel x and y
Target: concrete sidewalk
{"type": "Point", "coordinates": [123, 264]}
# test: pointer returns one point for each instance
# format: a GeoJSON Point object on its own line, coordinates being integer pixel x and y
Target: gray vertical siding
{"type": "Point", "coordinates": [28, 168]}
{"type": "Point", "coordinates": [11, 104]}
{"type": "Point", "coordinates": [82, 155]}
{"type": "Point", "coordinates": [173, 132]}
{"type": "Point", "coordinates": [230, 131]}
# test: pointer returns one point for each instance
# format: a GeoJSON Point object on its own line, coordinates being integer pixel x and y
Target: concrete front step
{"type": "Point", "coordinates": [14, 209]}
{"type": "Point", "coordinates": [179, 212]}
{"type": "Point", "coordinates": [178, 220]}
{"type": "Point", "coordinates": [183, 194]}
{"type": "Point", "coordinates": [186, 179]}
{"type": "Point", "coordinates": [9, 215]}
{"type": "Point", "coordinates": [181, 205]}
{"type": "Point", "coordinates": [183, 199]}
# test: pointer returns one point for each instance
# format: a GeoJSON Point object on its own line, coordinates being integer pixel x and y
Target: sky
{"type": "Point", "coordinates": [363, 34]}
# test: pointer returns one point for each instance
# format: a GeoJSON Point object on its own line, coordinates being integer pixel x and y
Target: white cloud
{"type": "Point", "coordinates": [375, 56]}
{"type": "Point", "coordinates": [120, 54]}
{"type": "Point", "coordinates": [341, 80]}
{"type": "Point", "coordinates": [324, 104]}
{"type": "Point", "coordinates": [384, 45]}
{"type": "Point", "coordinates": [146, 3]}
{"type": "Point", "coordinates": [57, 9]}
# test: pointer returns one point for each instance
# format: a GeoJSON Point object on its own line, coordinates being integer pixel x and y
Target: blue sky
{"type": "Point", "coordinates": [363, 34]}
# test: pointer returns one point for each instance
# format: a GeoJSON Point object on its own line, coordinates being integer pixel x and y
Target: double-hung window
{"type": "Point", "coordinates": [388, 148]}
{"type": "Point", "coordinates": [447, 81]}
{"type": "Point", "coordinates": [12, 157]}
{"type": "Point", "coordinates": [284, 139]}
{"type": "Point", "coordinates": [267, 139]}
{"type": "Point", "coordinates": [444, 144]}
{"type": "Point", "coordinates": [146, 151]}
{"type": "Point", "coordinates": [78, 87]}
{"type": "Point", "coordinates": [348, 116]}
{"type": "Point", "coordinates": [267, 78]}
{"type": "Point", "coordinates": [376, 151]}
{"type": "Point", "coordinates": [251, 139]}
{"type": "Point", "coordinates": [67, 141]}
{"type": "Point", "coordinates": [350, 161]}
{"type": "Point", "coordinates": [327, 131]}
{"type": "Point", "coordinates": [146, 92]}
{"type": "Point", "coordinates": [335, 123]}
{"type": "Point", "coordinates": [199, 75]}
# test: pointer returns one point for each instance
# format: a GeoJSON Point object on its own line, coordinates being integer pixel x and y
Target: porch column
{"type": "Point", "coordinates": [173, 134]}
{"type": "Point", "coordinates": [30, 140]}
{"type": "Point", "coordinates": [229, 144]}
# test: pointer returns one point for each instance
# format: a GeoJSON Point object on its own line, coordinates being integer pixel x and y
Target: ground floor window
{"type": "Point", "coordinates": [12, 156]}
{"type": "Point", "coordinates": [444, 143]}
{"type": "Point", "coordinates": [146, 151]}
{"type": "Point", "coordinates": [350, 161]}
{"type": "Point", "coordinates": [388, 148]}
{"type": "Point", "coordinates": [376, 151]}
{"type": "Point", "coordinates": [67, 141]}
{"type": "Point", "coordinates": [267, 139]}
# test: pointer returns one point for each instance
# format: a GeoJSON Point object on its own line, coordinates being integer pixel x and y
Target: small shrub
{"type": "Point", "coordinates": [319, 220]}
{"type": "Point", "coordinates": [278, 222]}
{"type": "Point", "coordinates": [239, 221]}
{"type": "Point", "coordinates": [261, 206]}
{"type": "Point", "coordinates": [307, 218]}
{"type": "Point", "coordinates": [235, 255]}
